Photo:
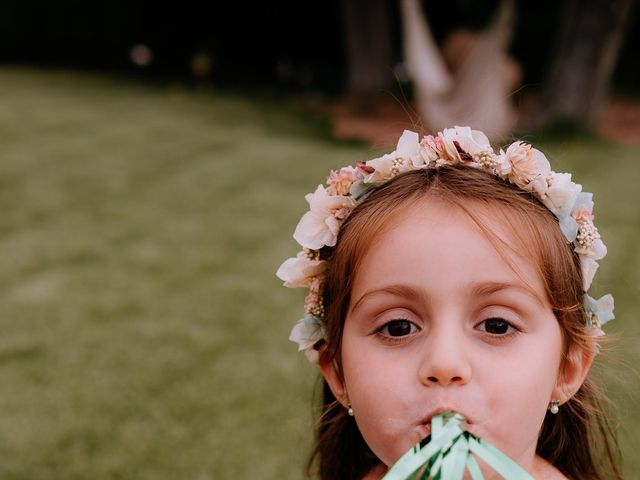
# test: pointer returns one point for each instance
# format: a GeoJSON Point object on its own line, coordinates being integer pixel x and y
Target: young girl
{"type": "Point", "coordinates": [445, 276]}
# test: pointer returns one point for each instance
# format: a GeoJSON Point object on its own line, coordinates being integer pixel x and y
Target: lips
{"type": "Point", "coordinates": [426, 422]}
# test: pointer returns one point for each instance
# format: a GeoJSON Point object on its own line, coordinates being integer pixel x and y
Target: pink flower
{"type": "Point", "coordinates": [529, 167]}
{"type": "Point", "coordinates": [340, 182]}
{"type": "Point", "coordinates": [341, 213]}
{"type": "Point", "coordinates": [432, 148]}
{"type": "Point", "coordinates": [583, 215]}
{"type": "Point", "coordinates": [317, 285]}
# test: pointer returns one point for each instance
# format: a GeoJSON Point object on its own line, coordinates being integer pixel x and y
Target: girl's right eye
{"type": "Point", "coordinates": [398, 328]}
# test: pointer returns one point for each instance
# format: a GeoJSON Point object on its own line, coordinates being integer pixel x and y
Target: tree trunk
{"type": "Point", "coordinates": [583, 63]}
{"type": "Point", "coordinates": [368, 47]}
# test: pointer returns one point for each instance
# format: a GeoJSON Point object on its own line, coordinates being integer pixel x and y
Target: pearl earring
{"type": "Point", "coordinates": [350, 411]}
{"type": "Point", "coordinates": [555, 404]}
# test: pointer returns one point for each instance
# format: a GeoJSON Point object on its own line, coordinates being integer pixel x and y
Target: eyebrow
{"type": "Point", "coordinates": [412, 294]}
{"type": "Point", "coordinates": [489, 288]}
{"type": "Point", "coordinates": [399, 290]}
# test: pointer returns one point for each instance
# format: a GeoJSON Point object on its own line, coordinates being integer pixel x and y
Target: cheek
{"type": "Point", "coordinates": [521, 392]}
{"type": "Point", "coordinates": [382, 398]}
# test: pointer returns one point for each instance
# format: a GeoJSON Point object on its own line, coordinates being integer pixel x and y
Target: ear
{"type": "Point", "coordinates": [334, 379]}
{"type": "Point", "coordinates": [572, 374]}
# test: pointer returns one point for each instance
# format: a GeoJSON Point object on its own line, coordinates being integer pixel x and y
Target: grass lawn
{"type": "Point", "coordinates": [143, 331]}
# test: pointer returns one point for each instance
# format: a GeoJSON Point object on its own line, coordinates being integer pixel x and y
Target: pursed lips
{"type": "Point", "coordinates": [426, 421]}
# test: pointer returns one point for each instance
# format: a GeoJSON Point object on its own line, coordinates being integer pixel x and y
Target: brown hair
{"type": "Point", "coordinates": [578, 441]}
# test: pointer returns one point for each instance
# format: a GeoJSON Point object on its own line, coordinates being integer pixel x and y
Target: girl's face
{"type": "Point", "coordinates": [439, 320]}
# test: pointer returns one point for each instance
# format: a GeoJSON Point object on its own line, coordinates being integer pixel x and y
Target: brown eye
{"type": "Point", "coordinates": [496, 326]}
{"type": "Point", "coordinates": [398, 328]}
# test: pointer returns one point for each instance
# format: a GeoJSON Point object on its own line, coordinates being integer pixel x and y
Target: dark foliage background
{"type": "Point", "coordinates": [283, 41]}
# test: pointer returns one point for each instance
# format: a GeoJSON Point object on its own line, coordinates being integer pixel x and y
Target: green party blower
{"type": "Point", "coordinates": [448, 451]}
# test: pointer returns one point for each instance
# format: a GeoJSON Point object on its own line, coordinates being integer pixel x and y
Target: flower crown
{"type": "Point", "coordinates": [521, 165]}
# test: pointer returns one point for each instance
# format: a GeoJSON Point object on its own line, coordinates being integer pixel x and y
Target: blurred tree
{"type": "Point", "coordinates": [584, 58]}
{"type": "Point", "coordinates": [369, 47]}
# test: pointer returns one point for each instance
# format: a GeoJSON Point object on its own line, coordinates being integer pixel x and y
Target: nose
{"type": "Point", "coordinates": [445, 359]}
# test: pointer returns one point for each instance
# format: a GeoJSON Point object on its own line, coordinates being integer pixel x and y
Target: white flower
{"type": "Point", "coordinates": [382, 168]}
{"type": "Point", "coordinates": [306, 333]}
{"type": "Point", "coordinates": [405, 157]}
{"type": "Point", "coordinates": [472, 142]}
{"type": "Point", "coordinates": [560, 198]}
{"type": "Point", "coordinates": [596, 251]}
{"type": "Point", "coordinates": [561, 194]}
{"type": "Point", "coordinates": [569, 227]}
{"type": "Point", "coordinates": [589, 267]}
{"type": "Point", "coordinates": [300, 270]}
{"type": "Point", "coordinates": [601, 310]}
{"type": "Point", "coordinates": [503, 167]}
{"type": "Point", "coordinates": [408, 147]}
{"type": "Point", "coordinates": [529, 167]}
{"type": "Point", "coordinates": [584, 201]}
{"type": "Point", "coordinates": [588, 244]}
{"type": "Point", "coordinates": [320, 225]}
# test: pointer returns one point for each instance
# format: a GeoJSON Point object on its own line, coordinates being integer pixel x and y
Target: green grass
{"type": "Point", "coordinates": [143, 332]}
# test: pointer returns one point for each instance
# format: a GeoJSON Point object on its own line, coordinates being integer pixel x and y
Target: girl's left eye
{"type": "Point", "coordinates": [398, 328]}
{"type": "Point", "coordinates": [497, 326]}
